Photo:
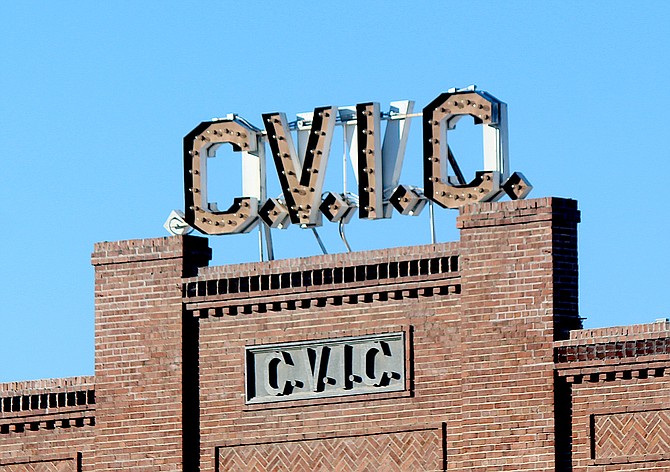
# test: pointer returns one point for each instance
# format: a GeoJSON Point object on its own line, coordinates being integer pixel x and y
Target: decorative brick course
{"type": "Point", "coordinates": [613, 350]}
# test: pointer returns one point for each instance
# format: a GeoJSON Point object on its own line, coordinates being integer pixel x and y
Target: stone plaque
{"type": "Point", "coordinates": [325, 368]}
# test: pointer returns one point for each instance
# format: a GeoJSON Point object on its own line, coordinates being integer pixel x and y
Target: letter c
{"type": "Point", "coordinates": [275, 380]}
{"type": "Point", "coordinates": [440, 115]}
{"type": "Point", "coordinates": [202, 143]}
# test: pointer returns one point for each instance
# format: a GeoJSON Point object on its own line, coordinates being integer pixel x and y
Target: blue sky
{"type": "Point", "coordinates": [97, 96]}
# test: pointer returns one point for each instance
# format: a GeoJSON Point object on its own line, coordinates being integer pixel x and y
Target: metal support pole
{"type": "Point", "coordinates": [268, 243]}
{"type": "Point", "coordinates": [432, 222]}
{"type": "Point", "coordinates": [345, 145]}
{"type": "Point", "coordinates": [318, 240]}
{"type": "Point", "coordinates": [344, 238]}
{"type": "Point", "coordinates": [260, 242]}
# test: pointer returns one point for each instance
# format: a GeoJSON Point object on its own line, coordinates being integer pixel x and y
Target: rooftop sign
{"type": "Point", "coordinates": [377, 161]}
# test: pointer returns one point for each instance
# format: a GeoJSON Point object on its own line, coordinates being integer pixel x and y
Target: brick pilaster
{"type": "Point", "coordinates": [519, 291]}
{"type": "Point", "coordinates": [143, 361]}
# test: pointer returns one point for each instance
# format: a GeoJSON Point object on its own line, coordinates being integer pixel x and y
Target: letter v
{"type": "Point", "coordinates": [318, 365]}
{"type": "Point", "coordinates": [301, 177]}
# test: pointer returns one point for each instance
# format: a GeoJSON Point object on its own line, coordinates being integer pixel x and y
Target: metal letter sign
{"type": "Point", "coordinates": [377, 162]}
{"type": "Point", "coordinates": [441, 115]}
{"type": "Point", "coordinates": [301, 177]}
{"type": "Point", "coordinates": [202, 143]}
{"type": "Point", "coordinates": [334, 367]}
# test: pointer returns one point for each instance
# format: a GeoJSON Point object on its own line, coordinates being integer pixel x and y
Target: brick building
{"type": "Point", "coordinates": [463, 356]}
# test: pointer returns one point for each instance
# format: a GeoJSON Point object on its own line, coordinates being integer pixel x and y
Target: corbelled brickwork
{"type": "Point", "coordinates": [46, 424]}
{"type": "Point", "coordinates": [492, 371]}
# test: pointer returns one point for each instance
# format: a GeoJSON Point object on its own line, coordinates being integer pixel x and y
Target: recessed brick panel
{"type": "Point", "coordinates": [69, 465]}
{"type": "Point", "coordinates": [638, 435]}
{"type": "Point", "coordinates": [394, 452]}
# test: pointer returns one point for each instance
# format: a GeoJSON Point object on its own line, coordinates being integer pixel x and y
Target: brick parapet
{"type": "Point", "coordinates": [48, 421]}
{"type": "Point", "coordinates": [30, 387]}
{"type": "Point", "coordinates": [657, 329]}
{"type": "Point", "coordinates": [404, 253]}
{"type": "Point", "coordinates": [518, 212]}
{"type": "Point", "coordinates": [44, 402]}
{"type": "Point", "coordinates": [194, 249]}
{"type": "Point", "coordinates": [621, 351]}
{"type": "Point", "coordinates": [324, 280]}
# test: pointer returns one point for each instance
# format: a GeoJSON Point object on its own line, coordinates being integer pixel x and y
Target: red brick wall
{"type": "Point", "coordinates": [46, 424]}
{"type": "Point", "coordinates": [498, 375]}
{"type": "Point", "coordinates": [619, 381]}
{"type": "Point", "coordinates": [482, 345]}
{"type": "Point", "coordinates": [424, 306]}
